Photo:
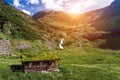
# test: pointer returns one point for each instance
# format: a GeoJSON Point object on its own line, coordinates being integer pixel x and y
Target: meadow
{"type": "Point", "coordinates": [86, 64]}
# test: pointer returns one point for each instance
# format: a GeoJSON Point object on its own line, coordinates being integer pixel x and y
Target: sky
{"type": "Point", "coordinates": [31, 7]}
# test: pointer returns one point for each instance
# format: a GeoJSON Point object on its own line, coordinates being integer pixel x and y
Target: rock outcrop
{"type": "Point", "coordinates": [22, 45]}
{"type": "Point", "coordinates": [5, 46]}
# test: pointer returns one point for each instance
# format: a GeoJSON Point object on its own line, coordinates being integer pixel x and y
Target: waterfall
{"type": "Point", "coordinates": [60, 44]}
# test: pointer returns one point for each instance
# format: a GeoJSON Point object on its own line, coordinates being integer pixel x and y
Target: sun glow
{"type": "Point", "coordinates": [79, 7]}
{"type": "Point", "coordinates": [74, 10]}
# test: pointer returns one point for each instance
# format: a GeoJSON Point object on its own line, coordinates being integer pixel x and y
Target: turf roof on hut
{"type": "Point", "coordinates": [39, 57]}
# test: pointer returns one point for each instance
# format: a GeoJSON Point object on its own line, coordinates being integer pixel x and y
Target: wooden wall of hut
{"type": "Point", "coordinates": [36, 66]}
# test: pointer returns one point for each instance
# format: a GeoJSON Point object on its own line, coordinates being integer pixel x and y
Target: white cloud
{"type": "Point", "coordinates": [99, 4]}
{"type": "Point", "coordinates": [59, 2]}
{"type": "Point", "coordinates": [51, 4]}
{"type": "Point", "coordinates": [25, 11]}
{"type": "Point", "coordinates": [104, 3]}
{"type": "Point", "coordinates": [77, 6]}
{"type": "Point", "coordinates": [71, 6]}
{"type": "Point", "coordinates": [17, 3]}
{"type": "Point", "coordinates": [33, 1]}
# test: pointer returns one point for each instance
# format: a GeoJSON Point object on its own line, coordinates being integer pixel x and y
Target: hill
{"type": "Point", "coordinates": [50, 26]}
{"type": "Point", "coordinates": [52, 17]}
{"type": "Point", "coordinates": [20, 33]}
{"type": "Point", "coordinates": [22, 25]}
{"type": "Point", "coordinates": [58, 25]}
{"type": "Point", "coordinates": [106, 20]}
{"type": "Point", "coordinates": [103, 19]}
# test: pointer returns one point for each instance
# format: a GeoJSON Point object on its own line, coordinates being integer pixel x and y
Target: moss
{"type": "Point", "coordinates": [39, 57]}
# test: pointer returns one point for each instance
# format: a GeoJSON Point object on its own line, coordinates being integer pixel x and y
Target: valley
{"type": "Point", "coordinates": [90, 43]}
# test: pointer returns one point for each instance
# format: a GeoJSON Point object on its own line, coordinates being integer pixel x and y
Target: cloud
{"type": "Point", "coordinates": [104, 3]}
{"type": "Point", "coordinates": [51, 4]}
{"type": "Point", "coordinates": [78, 6]}
{"type": "Point", "coordinates": [99, 4]}
{"type": "Point", "coordinates": [17, 3]}
{"type": "Point", "coordinates": [25, 11]}
{"type": "Point", "coordinates": [33, 1]}
{"type": "Point", "coordinates": [70, 6]}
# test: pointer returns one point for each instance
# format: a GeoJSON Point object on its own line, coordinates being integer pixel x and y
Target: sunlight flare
{"type": "Point", "coordinates": [79, 7]}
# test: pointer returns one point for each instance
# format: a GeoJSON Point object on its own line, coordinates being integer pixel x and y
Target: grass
{"type": "Point", "coordinates": [87, 64]}
{"type": "Point", "coordinates": [39, 57]}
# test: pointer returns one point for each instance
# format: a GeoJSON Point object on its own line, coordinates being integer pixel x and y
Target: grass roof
{"type": "Point", "coordinates": [39, 57]}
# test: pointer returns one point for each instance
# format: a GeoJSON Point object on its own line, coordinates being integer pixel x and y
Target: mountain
{"type": "Point", "coordinates": [115, 4]}
{"type": "Point", "coordinates": [100, 24]}
{"type": "Point", "coordinates": [103, 19]}
{"type": "Point", "coordinates": [57, 24]}
{"type": "Point", "coordinates": [50, 26]}
{"type": "Point", "coordinates": [20, 33]}
{"type": "Point", "coordinates": [107, 20]}
{"type": "Point", "coordinates": [19, 24]}
{"type": "Point", "coordinates": [111, 16]}
{"type": "Point", "coordinates": [112, 10]}
{"type": "Point", "coordinates": [53, 17]}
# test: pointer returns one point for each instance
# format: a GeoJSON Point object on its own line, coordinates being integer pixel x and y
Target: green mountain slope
{"type": "Point", "coordinates": [21, 25]}
{"type": "Point", "coordinates": [106, 19]}
{"type": "Point", "coordinates": [54, 18]}
{"type": "Point", "coordinates": [58, 25]}
{"type": "Point", "coordinates": [51, 26]}
{"type": "Point", "coordinates": [103, 19]}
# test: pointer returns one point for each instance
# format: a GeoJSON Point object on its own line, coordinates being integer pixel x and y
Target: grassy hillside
{"type": "Point", "coordinates": [22, 25]}
{"type": "Point", "coordinates": [54, 18]}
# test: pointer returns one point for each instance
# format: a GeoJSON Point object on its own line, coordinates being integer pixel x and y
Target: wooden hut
{"type": "Point", "coordinates": [39, 62]}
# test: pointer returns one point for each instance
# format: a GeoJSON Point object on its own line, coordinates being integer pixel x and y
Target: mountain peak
{"type": "Point", "coordinates": [115, 4]}
{"type": "Point", "coordinates": [42, 13]}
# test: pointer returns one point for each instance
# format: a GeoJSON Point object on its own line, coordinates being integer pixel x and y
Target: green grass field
{"type": "Point", "coordinates": [86, 64]}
